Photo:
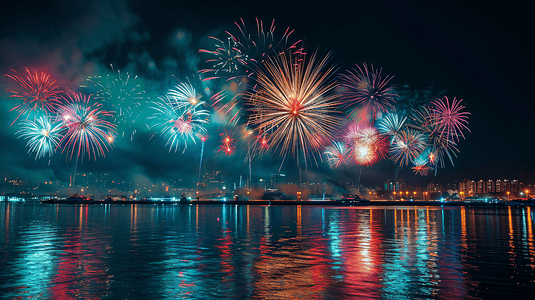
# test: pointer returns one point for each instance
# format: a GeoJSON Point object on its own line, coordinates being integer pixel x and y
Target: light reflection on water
{"type": "Point", "coordinates": [264, 252]}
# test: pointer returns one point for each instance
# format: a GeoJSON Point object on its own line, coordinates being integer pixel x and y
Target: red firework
{"type": "Point", "coordinates": [35, 91]}
{"type": "Point", "coordinates": [227, 143]}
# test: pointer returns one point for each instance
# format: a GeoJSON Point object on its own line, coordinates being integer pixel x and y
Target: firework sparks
{"type": "Point", "coordinates": [294, 103]}
{"type": "Point", "coordinates": [407, 146]}
{"type": "Point", "coordinates": [43, 136]}
{"type": "Point", "coordinates": [367, 145]}
{"type": "Point", "coordinates": [87, 130]}
{"type": "Point", "coordinates": [391, 124]}
{"type": "Point", "coordinates": [366, 89]}
{"type": "Point", "coordinates": [241, 54]}
{"type": "Point", "coordinates": [184, 94]}
{"type": "Point", "coordinates": [179, 124]}
{"type": "Point", "coordinates": [236, 61]}
{"type": "Point", "coordinates": [421, 163]}
{"type": "Point", "coordinates": [336, 154]}
{"type": "Point", "coordinates": [35, 91]}
{"type": "Point", "coordinates": [449, 118]}
{"type": "Point", "coordinates": [122, 94]}
{"type": "Point", "coordinates": [229, 61]}
{"type": "Point", "coordinates": [227, 143]}
{"type": "Point", "coordinates": [439, 146]}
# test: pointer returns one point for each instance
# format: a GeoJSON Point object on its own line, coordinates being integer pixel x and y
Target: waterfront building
{"type": "Point", "coordinates": [277, 179]}
{"type": "Point", "coordinates": [467, 188]}
{"type": "Point", "coordinates": [490, 188]}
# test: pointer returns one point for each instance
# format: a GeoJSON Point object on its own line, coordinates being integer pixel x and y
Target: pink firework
{"type": "Point", "coordinates": [35, 91]}
{"type": "Point", "coordinates": [450, 119]}
{"type": "Point", "coordinates": [87, 130]}
{"type": "Point", "coordinates": [366, 91]}
{"type": "Point", "coordinates": [367, 145]}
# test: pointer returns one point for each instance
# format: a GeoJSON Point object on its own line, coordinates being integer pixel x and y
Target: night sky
{"type": "Point", "coordinates": [480, 53]}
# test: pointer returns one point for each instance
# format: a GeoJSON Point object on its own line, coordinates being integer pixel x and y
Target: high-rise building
{"type": "Point", "coordinates": [491, 188]}
{"type": "Point", "coordinates": [481, 187]}
{"type": "Point", "coordinates": [277, 179]}
{"type": "Point", "coordinates": [515, 186]}
{"type": "Point", "coordinates": [435, 188]}
{"type": "Point", "coordinates": [467, 188]}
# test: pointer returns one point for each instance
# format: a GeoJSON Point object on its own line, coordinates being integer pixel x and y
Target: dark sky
{"type": "Point", "coordinates": [481, 53]}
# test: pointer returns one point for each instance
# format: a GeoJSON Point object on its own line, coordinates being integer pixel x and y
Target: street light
{"type": "Point", "coordinates": [508, 195]}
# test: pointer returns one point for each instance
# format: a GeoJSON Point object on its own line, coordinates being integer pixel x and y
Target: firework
{"type": "Point", "coordinates": [35, 91]}
{"type": "Point", "coordinates": [336, 154]}
{"type": "Point", "coordinates": [366, 89]}
{"type": "Point", "coordinates": [179, 124]}
{"type": "Point", "coordinates": [407, 146]}
{"type": "Point", "coordinates": [367, 145]}
{"type": "Point", "coordinates": [438, 145]}
{"type": "Point", "coordinates": [122, 94]}
{"type": "Point", "coordinates": [229, 61]}
{"type": "Point", "coordinates": [236, 61]}
{"type": "Point", "coordinates": [43, 136]}
{"type": "Point", "coordinates": [239, 55]}
{"type": "Point", "coordinates": [391, 124]}
{"type": "Point", "coordinates": [294, 103]}
{"type": "Point", "coordinates": [87, 132]}
{"type": "Point", "coordinates": [227, 143]}
{"type": "Point", "coordinates": [203, 139]}
{"type": "Point", "coordinates": [184, 94]}
{"type": "Point", "coordinates": [449, 119]}
{"type": "Point", "coordinates": [421, 163]}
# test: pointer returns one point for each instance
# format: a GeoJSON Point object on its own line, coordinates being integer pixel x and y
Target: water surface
{"type": "Point", "coordinates": [264, 252]}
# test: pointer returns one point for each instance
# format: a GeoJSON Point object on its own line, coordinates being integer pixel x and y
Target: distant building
{"type": "Point", "coordinates": [395, 187]}
{"type": "Point", "coordinates": [213, 179]}
{"type": "Point", "coordinates": [277, 179]}
{"type": "Point", "coordinates": [467, 188]}
{"type": "Point", "coordinates": [491, 187]}
{"type": "Point", "coordinates": [481, 187]}
{"type": "Point", "coordinates": [435, 188]}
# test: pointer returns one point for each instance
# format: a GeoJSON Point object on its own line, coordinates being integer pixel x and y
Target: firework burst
{"type": "Point", "coordinates": [367, 145]}
{"type": "Point", "coordinates": [122, 94]}
{"type": "Point", "coordinates": [407, 146]}
{"type": "Point", "coordinates": [43, 136]}
{"type": "Point", "coordinates": [450, 119]}
{"type": "Point", "coordinates": [438, 145]}
{"type": "Point", "coordinates": [421, 163]}
{"type": "Point", "coordinates": [336, 154]}
{"type": "Point", "coordinates": [35, 91]}
{"type": "Point", "coordinates": [294, 103]}
{"type": "Point", "coordinates": [179, 124]}
{"type": "Point", "coordinates": [391, 125]}
{"type": "Point", "coordinates": [239, 55]}
{"type": "Point", "coordinates": [227, 143]}
{"type": "Point", "coordinates": [236, 61]}
{"type": "Point", "coordinates": [87, 132]}
{"type": "Point", "coordinates": [366, 91]}
{"type": "Point", "coordinates": [184, 94]}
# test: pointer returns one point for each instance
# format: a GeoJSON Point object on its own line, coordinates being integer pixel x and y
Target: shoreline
{"type": "Point", "coordinates": [304, 202]}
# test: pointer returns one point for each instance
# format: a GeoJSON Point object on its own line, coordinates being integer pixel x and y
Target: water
{"type": "Point", "coordinates": [261, 252]}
